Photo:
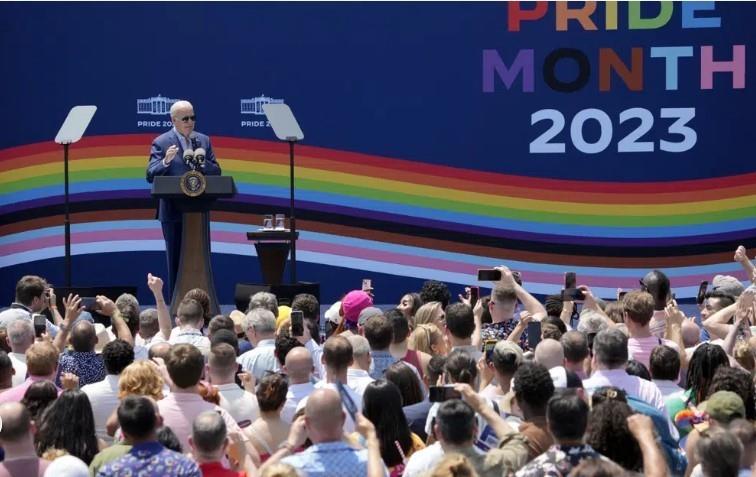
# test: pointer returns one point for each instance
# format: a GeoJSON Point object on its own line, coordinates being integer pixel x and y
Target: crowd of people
{"type": "Point", "coordinates": [484, 386]}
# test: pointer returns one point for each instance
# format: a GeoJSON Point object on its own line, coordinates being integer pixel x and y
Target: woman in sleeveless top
{"type": "Point", "coordinates": [269, 430]}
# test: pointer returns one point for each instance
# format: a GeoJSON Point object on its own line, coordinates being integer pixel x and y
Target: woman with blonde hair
{"type": "Point", "coordinates": [431, 313]}
{"type": "Point", "coordinates": [140, 378]}
{"type": "Point", "coordinates": [428, 338]}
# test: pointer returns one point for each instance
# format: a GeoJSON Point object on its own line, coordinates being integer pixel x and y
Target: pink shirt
{"type": "Point", "coordinates": [640, 349]}
{"type": "Point", "coordinates": [179, 410]}
{"type": "Point", "coordinates": [16, 393]}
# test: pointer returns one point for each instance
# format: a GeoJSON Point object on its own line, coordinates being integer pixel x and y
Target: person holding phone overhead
{"type": "Point", "coordinates": [174, 153]}
{"type": "Point", "coordinates": [503, 305]}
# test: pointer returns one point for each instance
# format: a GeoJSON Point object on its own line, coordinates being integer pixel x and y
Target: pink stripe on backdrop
{"type": "Point", "coordinates": [80, 238]}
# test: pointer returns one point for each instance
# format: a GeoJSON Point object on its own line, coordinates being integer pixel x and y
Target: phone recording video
{"type": "Point", "coordinates": [488, 349]}
{"type": "Point", "coordinates": [534, 334]}
{"type": "Point", "coordinates": [297, 323]}
{"type": "Point", "coordinates": [571, 292]}
{"type": "Point", "coordinates": [367, 284]}
{"type": "Point", "coordinates": [443, 393]}
{"type": "Point", "coordinates": [474, 295]}
{"type": "Point", "coordinates": [40, 324]}
{"type": "Point", "coordinates": [489, 275]}
{"type": "Point", "coordinates": [89, 303]}
{"type": "Point", "coordinates": [702, 292]}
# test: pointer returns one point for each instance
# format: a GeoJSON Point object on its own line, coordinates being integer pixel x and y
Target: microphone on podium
{"type": "Point", "coordinates": [188, 157]}
{"type": "Point", "coordinates": [199, 156]}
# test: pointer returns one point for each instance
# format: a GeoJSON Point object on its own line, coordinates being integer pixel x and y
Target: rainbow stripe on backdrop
{"type": "Point", "coordinates": [391, 216]}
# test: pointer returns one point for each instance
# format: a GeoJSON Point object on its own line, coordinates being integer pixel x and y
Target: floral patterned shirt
{"type": "Point", "coordinates": [501, 330]}
{"type": "Point", "coordinates": [558, 461]}
{"type": "Point", "coordinates": [151, 459]}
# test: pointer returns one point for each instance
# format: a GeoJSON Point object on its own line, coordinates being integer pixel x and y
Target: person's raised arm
{"type": "Point", "coordinates": [160, 160]}
{"type": "Point", "coordinates": [642, 429]}
{"type": "Point", "coordinates": [479, 405]}
{"type": "Point", "coordinates": [741, 256]}
{"type": "Point", "coordinates": [73, 310]}
{"type": "Point", "coordinates": [531, 304]}
{"type": "Point", "coordinates": [590, 303]}
{"type": "Point", "coordinates": [120, 328]}
{"type": "Point", "coordinates": [566, 316]}
{"type": "Point", "coordinates": [477, 315]}
{"type": "Point", "coordinates": [520, 327]}
{"type": "Point", "coordinates": [155, 285]}
{"type": "Point", "coordinates": [675, 319]}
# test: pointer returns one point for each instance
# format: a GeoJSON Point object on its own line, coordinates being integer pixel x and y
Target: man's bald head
{"type": "Point", "coordinates": [83, 336]}
{"type": "Point", "coordinates": [549, 353]}
{"type": "Point", "coordinates": [160, 350]}
{"type": "Point", "coordinates": [16, 422]}
{"type": "Point", "coordinates": [691, 333]}
{"type": "Point", "coordinates": [325, 417]}
{"type": "Point", "coordinates": [298, 365]}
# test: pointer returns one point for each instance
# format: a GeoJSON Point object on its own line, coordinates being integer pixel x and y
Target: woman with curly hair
{"type": "Point", "coordinates": [68, 424]}
{"type": "Point", "coordinates": [703, 364]}
{"type": "Point", "coordinates": [140, 378]}
{"type": "Point", "coordinates": [610, 436]}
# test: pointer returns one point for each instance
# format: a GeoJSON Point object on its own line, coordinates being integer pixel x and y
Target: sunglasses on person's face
{"type": "Point", "coordinates": [187, 118]}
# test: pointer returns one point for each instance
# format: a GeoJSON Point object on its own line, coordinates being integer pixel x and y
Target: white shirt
{"type": "Point", "coordinates": [296, 393]}
{"type": "Point", "coordinates": [316, 352]}
{"type": "Point", "coordinates": [260, 359]}
{"type": "Point", "coordinates": [633, 385]}
{"type": "Point", "coordinates": [349, 425]}
{"type": "Point", "coordinates": [424, 460]}
{"type": "Point", "coordinates": [155, 339]}
{"type": "Point", "coordinates": [357, 380]}
{"type": "Point", "coordinates": [18, 360]}
{"type": "Point", "coordinates": [194, 337]}
{"type": "Point", "coordinates": [103, 396]}
{"type": "Point", "coordinates": [242, 405]}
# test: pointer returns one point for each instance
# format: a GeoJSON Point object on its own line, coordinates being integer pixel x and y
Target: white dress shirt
{"type": "Point", "coordinates": [103, 396]}
{"type": "Point", "coordinates": [632, 385]}
{"type": "Point", "coordinates": [260, 359]}
{"type": "Point", "coordinates": [241, 404]}
{"type": "Point", "coordinates": [296, 393]}
{"type": "Point", "coordinates": [18, 360]}
{"type": "Point", "coordinates": [194, 337]}
{"type": "Point", "coordinates": [316, 352]}
{"type": "Point", "coordinates": [357, 380]}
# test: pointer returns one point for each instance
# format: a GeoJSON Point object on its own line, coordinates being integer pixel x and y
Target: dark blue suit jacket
{"type": "Point", "coordinates": [167, 212]}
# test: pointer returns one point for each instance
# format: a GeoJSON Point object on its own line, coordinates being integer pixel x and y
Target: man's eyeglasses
{"type": "Point", "coordinates": [187, 118]}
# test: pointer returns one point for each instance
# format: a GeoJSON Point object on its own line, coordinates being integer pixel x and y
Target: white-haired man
{"type": "Point", "coordinates": [166, 159]}
{"type": "Point", "coordinates": [260, 328]}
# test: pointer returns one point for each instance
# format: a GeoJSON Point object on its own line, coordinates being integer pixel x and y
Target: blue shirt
{"type": "Point", "coordinates": [87, 365]}
{"type": "Point", "coordinates": [151, 459]}
{"type": "Point", "coordinates": [380, 361]}
{"type": "Point", "coordinates": [330, 459]}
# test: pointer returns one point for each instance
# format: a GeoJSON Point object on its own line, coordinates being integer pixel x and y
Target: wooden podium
{"type": "Point", "coordinates": [195, 270]}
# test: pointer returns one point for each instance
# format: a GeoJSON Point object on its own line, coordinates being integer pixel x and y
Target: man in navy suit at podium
{"type": "Point", "coordinates": [168, 158]}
